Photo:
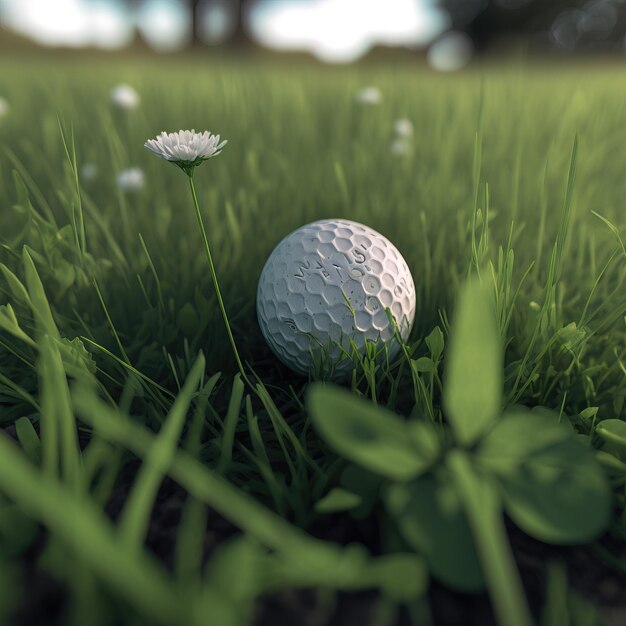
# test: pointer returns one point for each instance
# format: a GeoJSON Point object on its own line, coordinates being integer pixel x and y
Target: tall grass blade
{"type": "Point", "coordinates": [136, 514]}
{"type": "Point", "coordinates": [82, 526]}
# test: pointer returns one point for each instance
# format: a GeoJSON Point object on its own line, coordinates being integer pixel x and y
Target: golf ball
{"type": "Point", "coordinates": [323, 292]}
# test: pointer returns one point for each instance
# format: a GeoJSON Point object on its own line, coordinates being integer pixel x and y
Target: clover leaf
{"type": "Point", "coordinates": [371, 436]}
{"type": "Point", "coordinates": [552, 485]}
{"type": "Point", "coordinates": [432, 522]}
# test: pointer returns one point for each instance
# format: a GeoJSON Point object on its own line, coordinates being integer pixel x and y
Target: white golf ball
{"type": "Point", "coordinates": [323, 292]}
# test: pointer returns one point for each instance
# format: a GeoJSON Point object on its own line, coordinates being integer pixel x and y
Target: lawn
{"type": "Point", "coordinates": [151, 485]}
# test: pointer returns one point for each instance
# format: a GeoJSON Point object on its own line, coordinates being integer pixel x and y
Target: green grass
{"type": "Point", "coordinates": [112, 344]}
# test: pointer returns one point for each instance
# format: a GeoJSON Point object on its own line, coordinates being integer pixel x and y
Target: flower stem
{"type": "Point", "coordinates": [220, 301]}
{"type": "Point", "coordinates": [484, 513]}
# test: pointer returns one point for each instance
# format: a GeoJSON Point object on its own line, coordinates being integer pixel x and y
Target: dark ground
{"type": "Point", "coordinates": [588, 575]}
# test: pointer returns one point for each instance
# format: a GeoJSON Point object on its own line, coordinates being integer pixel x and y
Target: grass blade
{"type": "Point", "coordinates": [39, 302]}
{"type": "Point", "coordinates": [484, 514]}
{"type": "Point", "coordinates": [136, 514]}
{"type": "Point", "coordinates": [230, 424]}
{"type": "Point", "coordinates": [57, 417]}
{"type": "Point", "coordinates": [195, 477]}
{"type": "Point", "coordinates": [29, 439]}
{"type": "Point", "coordinates": [83, 527]}
{"type": "Point", "coordinates": [474, 366]}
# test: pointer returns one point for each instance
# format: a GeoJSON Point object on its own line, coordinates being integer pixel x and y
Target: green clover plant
{"type": "Point", "coordinates": [447, 488]}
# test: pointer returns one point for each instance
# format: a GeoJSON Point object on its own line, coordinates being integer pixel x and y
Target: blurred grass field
{"type": "Point", "coordinates": [301, 148]}
{"type": "Point", "coordinates": [127, 285]}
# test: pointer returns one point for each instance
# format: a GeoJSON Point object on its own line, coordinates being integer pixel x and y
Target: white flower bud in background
{"type": "Point", "coordinates": [125, 97]}
{"type": "Point", "coordinates": [403, 127]}
{"type": "Point", "coordinates": [89, 171]}
{"type": "Point", "coordinates": [4, 106]}
{"type": "Point", "coordinates": [131, 179]}
{"type": "Point", "coordinates": [369, 95]}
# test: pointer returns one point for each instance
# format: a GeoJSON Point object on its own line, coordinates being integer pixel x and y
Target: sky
{"type": "Point", "coordinates": [335, 31]}
{"type": "Point", "coordinates": [344, 30]}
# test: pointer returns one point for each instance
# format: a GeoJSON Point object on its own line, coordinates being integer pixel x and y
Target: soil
{"type": "Point", "coordinates": [604, 587]}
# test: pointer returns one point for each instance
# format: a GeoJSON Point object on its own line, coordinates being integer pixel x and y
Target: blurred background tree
{"type": "Point", "coordinates": [226, 21]}
{"type": "Point", "coordinates": [447, 32]}
{"type": "Point", "coordinates": [565, 25]}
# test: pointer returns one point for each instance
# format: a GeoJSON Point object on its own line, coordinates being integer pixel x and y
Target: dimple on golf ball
{"type": "Point", "coordinates": [323, 292]}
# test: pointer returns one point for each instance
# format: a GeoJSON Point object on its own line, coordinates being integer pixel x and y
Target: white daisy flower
{"type": "Point", "coordinates": [186, 148]}
{"type": "Point", "coordinates": [400, 147]}
{"type": "Point", "coordinates": [125, 97]}
{"type": "Point", "coordinates": [369, 95]}
{"type": "Point", "coordinates": [403, 127]}
{"type": "Point", "coordinates": [4, 106]}
{"type": "Point", "coordinates": [131, 179]}
{"type": "Point", "coordinates": [89, 171]}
